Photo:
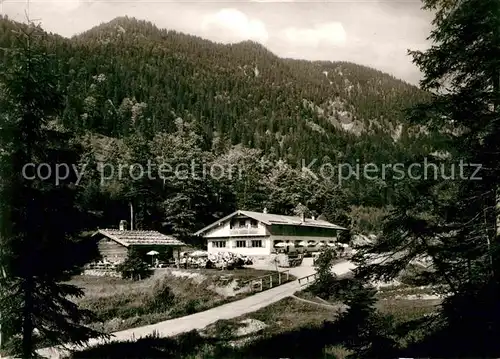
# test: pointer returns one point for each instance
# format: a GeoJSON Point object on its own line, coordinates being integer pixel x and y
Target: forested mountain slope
{"type": "Point", "coordinates": [129, 80]}
{"type": "Point", "coordinates": [294, 108]}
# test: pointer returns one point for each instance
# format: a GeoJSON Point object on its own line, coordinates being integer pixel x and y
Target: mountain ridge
{"type": "Point", "coordinates": [117, 22]}
{"type": "Point", "coordinates": [128, 74]}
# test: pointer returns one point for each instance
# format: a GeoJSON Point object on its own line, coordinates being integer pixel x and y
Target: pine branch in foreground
{"type": "Point", "coordinates": [38, 217]}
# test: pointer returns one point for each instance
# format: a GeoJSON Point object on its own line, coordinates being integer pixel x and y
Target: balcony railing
{"type": "Point", "coordinates": [243, 231]}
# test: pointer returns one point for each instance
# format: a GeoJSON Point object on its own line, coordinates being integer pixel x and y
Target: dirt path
{"type": "Point", "coordinates": [201, 320]}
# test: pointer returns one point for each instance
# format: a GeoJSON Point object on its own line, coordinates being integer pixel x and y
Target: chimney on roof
{"type": "Point", "coordinates": [303, 216]}
{"type": "Point", "coordinates": [313, 218]}
{"type": "Point", "coordinates": [265, 210]}
{"type": "Point", "coordinates": [123, 225]}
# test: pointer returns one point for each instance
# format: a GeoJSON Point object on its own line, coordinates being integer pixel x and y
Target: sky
{"type": "Point", "coordinates": [371, 32]}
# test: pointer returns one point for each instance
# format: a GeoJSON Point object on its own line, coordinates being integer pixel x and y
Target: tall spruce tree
{"type": "Point", "coordinates": [454, 222]}
{"type": "Point", "coordinates": [38, 216]}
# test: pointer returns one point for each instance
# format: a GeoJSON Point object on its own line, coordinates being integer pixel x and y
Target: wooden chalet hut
{"type": "Point", "coordinates": [115, 244]}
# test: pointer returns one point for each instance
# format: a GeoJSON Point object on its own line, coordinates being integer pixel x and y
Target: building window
{"type": "Point", "coordinates": [242, 223]}
{"type": "Point", "coordinates": [241, 244]}
{"type": "Point", "coordinates": [257, 244]}
{"type": "Point", "coordinates": [254, 223]}
{"type": "Point", "coordinates": [219, 244]}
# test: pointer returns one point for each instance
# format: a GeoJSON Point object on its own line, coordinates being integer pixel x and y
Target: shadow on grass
{"type": "Point", "coordinates": [312, 342]}
{"type": "Point", "coordinates": [303, 343]}
{"type": "Point", "coordinates": [183, 346]}
{"type": "Point", "coordinates": [308, 342]}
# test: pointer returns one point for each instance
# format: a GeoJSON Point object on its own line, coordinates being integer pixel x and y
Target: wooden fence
{"type": "Point", "coordinates": [268, 281]}
{"type": "Point", "coordinates": [308, 279]}
{"type": "Point", "coordinates": [105, 266]}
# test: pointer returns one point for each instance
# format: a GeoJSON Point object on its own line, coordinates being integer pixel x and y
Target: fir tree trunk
{"type": "Point", "coordinates": [493, 257]}
{"type": "Point", "coordinates": [27, 342]}
{"type": "Point", "coordinates": [495, 261]}
{"type": "Point", "coordinates": [488, 240]}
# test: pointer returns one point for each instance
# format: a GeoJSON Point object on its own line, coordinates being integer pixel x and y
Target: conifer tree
{"type": "Point", "coordinates": [454, 222]}
{"type": "Point", "coordinates": [38, 217]}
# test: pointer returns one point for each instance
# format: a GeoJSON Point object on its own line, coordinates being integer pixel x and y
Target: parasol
{"type": "Point", "coordinates": [152, 254]}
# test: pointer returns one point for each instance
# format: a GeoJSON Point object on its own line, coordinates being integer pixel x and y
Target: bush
{"type": "Point", "coordinates": [162, 298]}
{"type": "Point", "coordinates": [134, 267]}
{"type": "Point", "coordinates": [191, 306]}
{"type": "Point", "coordinates": [325, 284]}
{"type": "Point", "coordinates": [362, 329]}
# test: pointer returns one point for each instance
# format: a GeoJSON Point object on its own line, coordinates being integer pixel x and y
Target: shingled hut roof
{"type": "Point", "coordinates": [137, 238]}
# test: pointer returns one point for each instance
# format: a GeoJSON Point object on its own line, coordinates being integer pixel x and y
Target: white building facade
{"type": "Point", "coordinates": [257, 234]}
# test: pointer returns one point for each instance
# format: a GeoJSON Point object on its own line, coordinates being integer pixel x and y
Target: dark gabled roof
{"type": "Point", "coordinates": [279, 219]}
{"type": "Point", "coordinates": [137, 238]}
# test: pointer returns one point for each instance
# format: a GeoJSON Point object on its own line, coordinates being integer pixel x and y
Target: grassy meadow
{"type": "Point", "coordinates": [290, 328]}
{"type": "Point", "coordinates": [122, 304]}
